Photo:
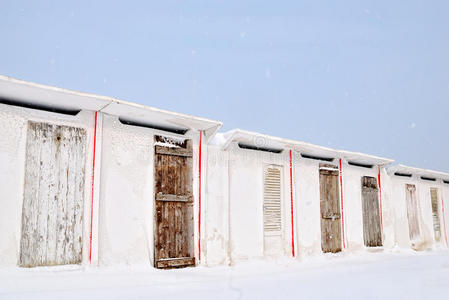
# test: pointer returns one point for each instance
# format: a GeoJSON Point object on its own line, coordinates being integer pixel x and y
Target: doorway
{"type": "Point", "coordinates": [174, 235]}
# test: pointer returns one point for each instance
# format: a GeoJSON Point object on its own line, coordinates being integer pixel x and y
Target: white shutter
{"type": "Point", "coordinates": [272, 201]}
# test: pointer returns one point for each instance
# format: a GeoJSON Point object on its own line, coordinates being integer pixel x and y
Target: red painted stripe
{"type": "Point", "coordinates": [380, 199]}
{"type": "Point", "coordinates": [93, 181]}
{"type": "Point", "coordinates": [291, 204]}
{"type": "Point", "coordinates": [444, 220]}
{"type": "Point", "coordinates": [342, 210]}
{"type": "Point", "coordinates": [199, 197]}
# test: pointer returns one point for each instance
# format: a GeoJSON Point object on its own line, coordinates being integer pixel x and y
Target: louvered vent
{"type": "Point", "coordinates": [272, 201]}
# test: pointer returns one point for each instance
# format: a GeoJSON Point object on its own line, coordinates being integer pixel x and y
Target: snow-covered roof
{"type": "Point", "coordinates": [12, 89]}
{"type": "Point", "coordinates": [259, 140]}
{"type": "Point", "coordinates": [418, 172]}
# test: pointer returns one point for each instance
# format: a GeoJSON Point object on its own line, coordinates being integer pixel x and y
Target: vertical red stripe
{"type": "Point", "coordinates": [93, 181]}
{"type": "Point", "coordinates": [342, 209]}
{"type": "Point", "coordinates": [380, 199]}
{"type": "Point", "coordinates": [199, 197]}
{"type": "Point", "coordinates": [444, 220]}
{"type": "Point", "coordinates": [291, 204]}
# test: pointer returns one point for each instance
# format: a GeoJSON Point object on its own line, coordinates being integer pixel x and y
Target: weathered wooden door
{"type": "Point", "coordinates": [174, 234]}
{"type": "Point", "coordinates": [435, 214]}
{"type": "Point", "coordinates": [272, 220]}
{"type": "Point", "coordinates": [412, 213]}
{"type": "Point", "coordinates": [372, 231]}
{"type": "Point", "coordinates": [52, 213]}
{"type": "Point", "coordinates": [330, 209]}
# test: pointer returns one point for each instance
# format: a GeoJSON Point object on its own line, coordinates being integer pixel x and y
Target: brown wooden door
{"type": "Point", "coordinates": [330, 209]}
{"type": "Point", "coordinates": [435, 214]}
{"type": "Point", "coordinates": [174, 236]}
{"type": "Point", "coordinates": [52, 212]}
{"type": "Point", "coordinates": [412, 214]}
{"type": "Point", "coordinates": [372, 231]}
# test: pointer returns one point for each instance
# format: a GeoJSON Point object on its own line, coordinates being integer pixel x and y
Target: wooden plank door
{"type": "Point", "coordinates": [372, 231]}
{"type": "Point", "coordinates": [412, 214]}
{"type": "Point", "coordinates": [330, 209]}
{"type": "Point", "coordinates": [435, 214]}
{"type": "Point", "coordinates": [174, 234]}
{"type": "Point", "coordinates": [272, 216]}
{"type": "Point", "coordinates": [52, 212]}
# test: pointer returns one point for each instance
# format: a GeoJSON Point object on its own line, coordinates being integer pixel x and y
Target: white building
{"type": "Point", "coordinates": [80, 180]}
{"type": "Point", "coordinates": [419, 197]}
{"type": "Point", "coordinates": [269, 196]}
{"type": "Point", "coordinates": [94, 180]}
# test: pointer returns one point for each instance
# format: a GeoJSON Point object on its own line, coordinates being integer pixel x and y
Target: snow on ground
{"type": "Point", "coordinates": [405, 275]}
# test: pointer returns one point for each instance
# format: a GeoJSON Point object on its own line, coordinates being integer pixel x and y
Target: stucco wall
{"type": "Point", "coordinates": [235, 203]}
{"type": "Point", "coordinates": [127, 198]}
{"type": "Point", "coordinates": [352, 198]}
{"type": "Point", "coordinates": [232, 196]}
{"type": "Point", "coordinates": [423, 187]}
{"type": "Point", "coordinates": [216, 238]}
{"type": "Point", "coordinates": [307, 198]}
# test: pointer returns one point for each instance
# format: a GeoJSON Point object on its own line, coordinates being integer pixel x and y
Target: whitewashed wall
{"type": "Point", "coordinates": [307, 199]}
{"type": "Point", "coordinates": [13, 122]}
{"type": "Point", "coordinates": [307, 203]}
{"type": "Point", "coordinates": [398, 198]}
{"type": "Point", "coordinates": [235, 205]}
{"type": "Point", "coordinates": [352, 199]}
{"type": "Point", "coordinates": [216, 238]}
{"type": "Point", "coordinates": [232, 196]}
{"type": "Point", "coordinates": [235, 198]}
{"type": "Point", "coordinates": [388, 211]}
{"type": "Point", "coordinates": [127, 198]}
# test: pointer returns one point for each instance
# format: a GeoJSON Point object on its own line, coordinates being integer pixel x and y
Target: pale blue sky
{"type": "Point", "coordinates": [369, 76]}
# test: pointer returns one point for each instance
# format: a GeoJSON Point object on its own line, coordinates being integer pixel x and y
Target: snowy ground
{"type": "Point", "coordinates": [404, 275]}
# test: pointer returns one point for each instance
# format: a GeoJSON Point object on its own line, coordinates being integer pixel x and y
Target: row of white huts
{"type": "Point", "coordinates": [93, 180]}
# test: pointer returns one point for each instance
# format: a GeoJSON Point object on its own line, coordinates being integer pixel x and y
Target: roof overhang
{"type": "Point", "coordinates": [366, 159]}
{"type": "Point", "coordinates": [16, 90]}
{"type": "Point", "coordinates": [418, 172]}
{"type": "Point", "coordinates": [266, 141]}
{"type": "Point", "coordinates": [252, 138]}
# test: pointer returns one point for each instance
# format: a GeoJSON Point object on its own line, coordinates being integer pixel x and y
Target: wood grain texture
{"type": "Point", "coordinates": [330, 209]}
{"type": "Point", "coordinates": [174, 207]}
{"type": "Point", "coordinates": [435, 214]}
{"type": "Point", "coordinates": [412, 213]}
{"type": "Point", "coordinates": [52, 213]}
{"type": "Point", "coordinates": [372, 231]}
{"type": "Point", "coordinates": [176, 198]}
{"type": "Point", "coordinates": [174, 151]}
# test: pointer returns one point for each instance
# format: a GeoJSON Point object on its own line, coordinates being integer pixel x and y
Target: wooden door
{"type": "Point", "coordinates": [435, 214]}
{"type": "Point", "coordinates": [412, 213]}
{"type": "Point", "coordinates": [52, 212]}
{"type": "Point", "coordinates": [372, 231]}
{"type": "Point", "coordinates": [330, 209]}
{"type": "Point", "coordinates": [174, 234]}
{"type": "Point", "coordinates": [272, 216]}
